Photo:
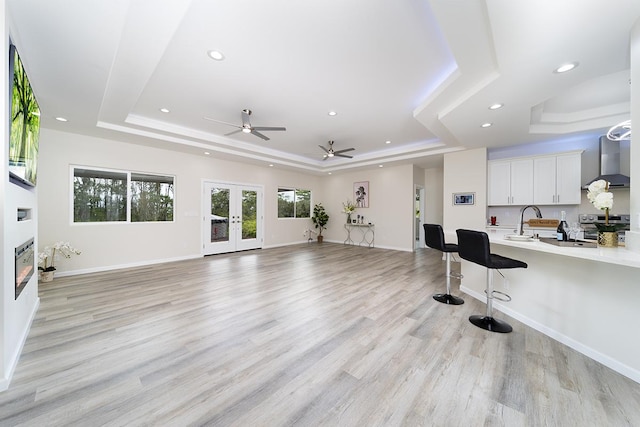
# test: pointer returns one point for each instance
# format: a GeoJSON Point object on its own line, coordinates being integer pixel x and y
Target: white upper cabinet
{"type": "Point", "coordinates": [540, 180]}
{"type": "Point", "coordinates": [557, 179]}
{"type": "Point", "coordinates": [510, 182]}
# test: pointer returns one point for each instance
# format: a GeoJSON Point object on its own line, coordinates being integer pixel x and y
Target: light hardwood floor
{"type": "Point", "coordinates": [306, 335]}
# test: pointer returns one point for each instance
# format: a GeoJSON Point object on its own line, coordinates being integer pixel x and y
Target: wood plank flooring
{"type": "Point", "coordinates": [306, 335]}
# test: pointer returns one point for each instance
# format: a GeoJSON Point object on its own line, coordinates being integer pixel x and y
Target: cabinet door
{"type": "Point", "coordinates": [544, 188]}
{"type": "Point", "coordinates": [568, 179]}
{"type": "Point", "coordinates": [499, 183]}
{"type": "Point", "coordinates": [522, 182]}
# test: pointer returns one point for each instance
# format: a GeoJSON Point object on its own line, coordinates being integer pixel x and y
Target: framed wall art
{"type": "Point", "coordinates": [464, 198]}
{"type": "Point", "coordinates": [361, 194]}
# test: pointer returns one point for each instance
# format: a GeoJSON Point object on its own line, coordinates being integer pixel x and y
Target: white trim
{"type": "Point", "coordinates": [621, 368]}
{"type": "Point", "coordinates": [15, 357]}
{"type": "Point", "coordinates": [123, 266]}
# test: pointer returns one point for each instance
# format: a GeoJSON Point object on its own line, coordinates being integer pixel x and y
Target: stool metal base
{"type": "Point", "coordinates": [490, 324]}
{"type": "Point", "coordinates": [448, 299]}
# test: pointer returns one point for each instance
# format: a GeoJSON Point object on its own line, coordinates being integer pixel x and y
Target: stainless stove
{"type": "Point", "coordinates": [588, 221]}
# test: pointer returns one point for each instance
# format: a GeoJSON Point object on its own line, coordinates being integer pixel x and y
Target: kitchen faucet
{"type": "Point", "coordinates": [520, 229]}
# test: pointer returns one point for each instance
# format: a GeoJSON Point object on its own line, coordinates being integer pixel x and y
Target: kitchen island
{"type": "Point", "coordinates": [586, 298]}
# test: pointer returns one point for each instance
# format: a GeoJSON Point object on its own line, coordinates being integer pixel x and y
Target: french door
{"type": "Point", "coordinates": [232, 217]}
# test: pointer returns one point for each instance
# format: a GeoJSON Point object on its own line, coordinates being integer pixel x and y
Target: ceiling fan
{"type": "Point", "coordinates": [330, 152]}
{"type": "Point", "coordinates": [246, 126]}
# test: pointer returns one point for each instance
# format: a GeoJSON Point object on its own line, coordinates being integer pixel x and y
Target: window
{"type": "Point", "coordinates": [99, 196]}
{"type": "Point", "coordinates": [151, 198]}
{"type": "Point", "coordinates": [117, 196]}
{"type": "Point", "coordinates": [294, 203]}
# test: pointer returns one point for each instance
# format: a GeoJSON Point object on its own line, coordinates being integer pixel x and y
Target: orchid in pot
{"type": "Point", "coordinates": [600, 197]}
{"type": "Point", "coordinates": [47, 258]}
{"type": "Point", "coordinates": [348, 207]}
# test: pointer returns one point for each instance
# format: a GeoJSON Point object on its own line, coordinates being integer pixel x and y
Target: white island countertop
{"type": "Point", "coordinates": [619, 255]}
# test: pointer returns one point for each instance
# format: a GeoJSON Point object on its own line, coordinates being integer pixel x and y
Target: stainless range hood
{"type": "Point", "coordinates": [610, 164]}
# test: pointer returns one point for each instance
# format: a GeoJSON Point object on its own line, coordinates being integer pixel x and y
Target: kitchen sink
{"type": "Point", "coordinates": [571, 243]}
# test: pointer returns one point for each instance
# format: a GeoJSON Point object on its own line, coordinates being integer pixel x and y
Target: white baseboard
{"type": "Point", "coordinates": [15, 357]}
{"type": "Point", "coordinates": [610, 362]}
{"type": "Point", "coordinates": [122, 266]}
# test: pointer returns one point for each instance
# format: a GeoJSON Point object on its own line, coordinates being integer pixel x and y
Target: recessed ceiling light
{"type": "Point", "coordinates": [61, 119]}
{"type": "Point", "coordinates": [380, 166]}
{"type": "Point", "coordinates": [387, 142]}
{"type": "Point", "coordinates": [164, 110]}
{"type": "Point", "coordinates": [486, 125]}
{"type": "Point", "coordinates": [495, 106]}
{"type": "Point", "coordinates": [271, 165]}
{"type": "Point", "coordinates": [328, 173]}
{"type": "Point", "coordinates": [215, 54]}
{"type": "Point", "coordinates": [207, 153]}
{"type": "Point", "coordinates": [332, 113]}
{"type": "Point", "coordinates": [566, 67]}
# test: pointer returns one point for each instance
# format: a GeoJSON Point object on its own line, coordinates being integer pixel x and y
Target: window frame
{"type": "Point", "coordinates": [128, 173]}
{"type": "Point", "coordinates": [295, 190]}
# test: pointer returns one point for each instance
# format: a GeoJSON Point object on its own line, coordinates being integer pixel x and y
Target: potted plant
{"type": "Point", "coordinates": [599, 195]}
{"type": "Point", "coordinates": [47, 258]}
{"type": "Point", "coordinates": [320, 219]}
{"type": "Point", "coordinates": [348, 207]}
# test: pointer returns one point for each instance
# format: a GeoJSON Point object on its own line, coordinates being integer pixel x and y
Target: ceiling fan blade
{"type": "Point", "coordinates": [258, 134]}
{"type": "Point", "coordinates": [232, 132]}
{"type": "Point", "coordinates": [343, 151]}
{"type": "Point", "coordinates": [325, 150]}
{"type": "Point", "coordinates": [342, 155]}
{"type": "Point", "coordinates": [220, 121]}
{"type": "Point", "coordinates": [325, 157]}
{"type": "Point", "coordinates": [268, 128]}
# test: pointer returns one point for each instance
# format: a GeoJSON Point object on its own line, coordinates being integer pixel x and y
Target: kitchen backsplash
{"type": "Point", "coordinates": [510, 215]}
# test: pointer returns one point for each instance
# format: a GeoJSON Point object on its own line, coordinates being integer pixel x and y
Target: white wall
{"type": "Point", "coordinates": [106, 246]}
{"type": "Point", "coordinates": [15, 315]}
{"type": "Point", "coordinates": [465, 172]}
{"type": "Point", "coordinates": [391, 205]}
{"type": "Point", "coordinates": [434, 193]}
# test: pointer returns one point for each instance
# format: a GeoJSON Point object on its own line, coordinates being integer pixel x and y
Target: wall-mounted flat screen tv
{"type": "Point", "coordinates": [24, 124]}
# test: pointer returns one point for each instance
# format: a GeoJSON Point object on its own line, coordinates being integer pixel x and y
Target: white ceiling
{"type": "Point", "coordinates": [416, 72]}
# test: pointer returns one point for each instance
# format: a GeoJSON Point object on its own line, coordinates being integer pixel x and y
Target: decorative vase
{"type": "Point", "coordinates": [608, 239]}
{"type": "Point", "coordinates": [46, 276]}
{"type": "Point", "coordinates": [348, 218]}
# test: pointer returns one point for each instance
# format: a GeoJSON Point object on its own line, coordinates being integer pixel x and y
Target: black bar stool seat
{"type": "Point", "coordinates": [473, 246]}
{"type": "Point", "coordinates": [434, 237]}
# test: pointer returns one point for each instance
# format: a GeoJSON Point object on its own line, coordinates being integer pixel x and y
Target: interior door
{"type": "Point", "coordinates": [232, 218]}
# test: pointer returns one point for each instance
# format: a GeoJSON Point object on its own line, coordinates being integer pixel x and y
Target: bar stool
{"type": "Point", "coordinates": [474, 246]}
{"type": "Point", "coordinates": [434, 237]}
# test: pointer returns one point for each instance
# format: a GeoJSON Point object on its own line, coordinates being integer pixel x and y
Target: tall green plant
{"type": "Point", "coordinates": [320, 217]}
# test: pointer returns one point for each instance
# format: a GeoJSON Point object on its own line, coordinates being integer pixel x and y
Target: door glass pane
{"type": "Point", "coordinates": [219, 215]}
{"type": "Point", "coordinates": [249, 210]}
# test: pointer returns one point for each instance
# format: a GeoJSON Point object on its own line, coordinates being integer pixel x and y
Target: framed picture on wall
{"type": "Point", "coordinates": [464, 198]}
{"type": "Point", "coordinates": [361, 194]}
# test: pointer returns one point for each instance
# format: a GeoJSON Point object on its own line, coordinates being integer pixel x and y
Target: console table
{"type": "Point", "coordinates": [367, 234]}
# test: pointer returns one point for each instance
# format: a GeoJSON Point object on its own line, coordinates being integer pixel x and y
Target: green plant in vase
{"type": "Point", "coordinates": [320, 218]}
